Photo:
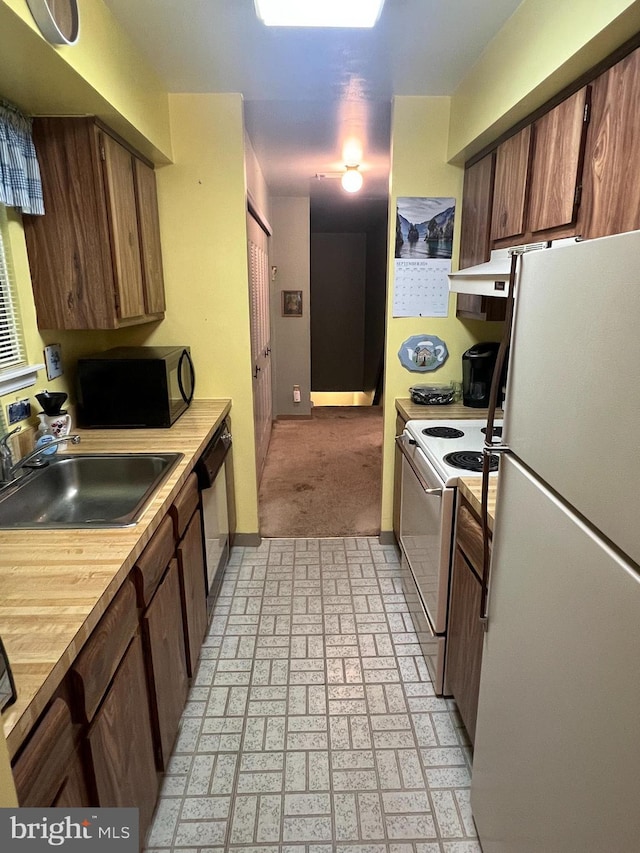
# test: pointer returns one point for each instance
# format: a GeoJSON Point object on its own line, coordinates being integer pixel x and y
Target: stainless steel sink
{"type": "Point", "coordinates": [85, 490]}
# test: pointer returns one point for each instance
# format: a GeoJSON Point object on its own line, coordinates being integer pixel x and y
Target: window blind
{"type": "Point", "coordinates": [11, 341]}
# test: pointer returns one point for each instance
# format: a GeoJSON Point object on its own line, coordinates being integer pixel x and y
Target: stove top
{"type": "Point", "coordinates": [453, 448]}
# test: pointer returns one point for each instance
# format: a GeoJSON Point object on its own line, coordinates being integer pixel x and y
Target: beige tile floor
{"type": "Point", "coordinates": [312, 724]}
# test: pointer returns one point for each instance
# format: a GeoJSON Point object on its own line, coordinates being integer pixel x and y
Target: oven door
{"type": "Point", "coordinates": [426, 529]}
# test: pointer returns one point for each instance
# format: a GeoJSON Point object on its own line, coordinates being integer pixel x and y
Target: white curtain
{"type": "Point", "coordinates": [20, 184]}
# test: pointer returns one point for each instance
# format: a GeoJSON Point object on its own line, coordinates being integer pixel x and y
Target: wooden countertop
{"type": "Point", "coordinates": [56, 584]}
{"type": "Point", "coordinates": [450, 412]}
{"type": "Point", "coordinates": [471, 488]}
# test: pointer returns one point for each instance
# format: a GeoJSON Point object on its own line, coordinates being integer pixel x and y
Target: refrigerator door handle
{"type": "Point", "coordinates": [494, 448]}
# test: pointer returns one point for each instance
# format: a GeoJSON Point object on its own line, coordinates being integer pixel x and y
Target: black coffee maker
{"type": "Point", "coordinates": [478, 364]}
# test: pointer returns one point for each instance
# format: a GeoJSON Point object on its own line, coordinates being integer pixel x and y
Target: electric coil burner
{"type": "Point", "coordinates": [443, 432]}
{"type": "Point", "coordinates": [435, 441]}
{"type": "Point", "coordinates": [469, 460]}
{"type": "Point", "coordinates": [497, 431]}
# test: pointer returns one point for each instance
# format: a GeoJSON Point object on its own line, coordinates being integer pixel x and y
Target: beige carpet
{"type": "Point", "coordinates": [322, 477]}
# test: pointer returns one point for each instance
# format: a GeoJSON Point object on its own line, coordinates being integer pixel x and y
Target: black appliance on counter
{"type": "Point", "coordinates": [478, 364]}
{"type": "Point", "coordinates": [129, 387]}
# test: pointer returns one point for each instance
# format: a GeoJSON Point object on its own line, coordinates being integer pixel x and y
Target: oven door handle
{"type": "Point", "coordinates": [401, 441]}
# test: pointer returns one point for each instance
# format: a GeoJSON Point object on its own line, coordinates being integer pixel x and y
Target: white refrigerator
{"type": "Point", "coordinates": [556, 766]}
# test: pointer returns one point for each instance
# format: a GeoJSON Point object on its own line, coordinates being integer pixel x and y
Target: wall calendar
{"type": "Point", "coordinates": [424, 239]}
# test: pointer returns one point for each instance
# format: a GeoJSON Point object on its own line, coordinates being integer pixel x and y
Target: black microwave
{"type": "Point", "coordinates": [134, 387]}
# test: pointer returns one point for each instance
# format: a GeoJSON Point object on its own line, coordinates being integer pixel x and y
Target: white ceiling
{"type": "Point", "coordinates": [306, 91]}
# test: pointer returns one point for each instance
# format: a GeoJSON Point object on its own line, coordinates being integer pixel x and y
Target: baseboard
{"type": "Point", "coordinates": [247, 540]}
{"type": "Point", "coordinates": [387, 537]}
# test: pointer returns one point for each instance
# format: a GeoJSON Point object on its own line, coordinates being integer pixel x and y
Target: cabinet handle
{"type": "Point", "coordinates": [426, 488]}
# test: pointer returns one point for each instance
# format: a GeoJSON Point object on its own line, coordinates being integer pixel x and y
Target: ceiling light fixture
{"type": "Point", "coordinates": [319, 13]}
{"type": "Point", "coordinates": [351, 180]}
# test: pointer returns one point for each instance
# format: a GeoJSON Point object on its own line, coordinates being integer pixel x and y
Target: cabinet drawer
{"type": "Point", "coordinates": [97, 662]}
{"type": "Point", "coordinates": [151, 564]}
{"type": "Point", "coordinates": [41, 769]}
{"type": "Point", "coordinates": [469, 537]}
{"type": "Point", "coordinates": [185, 505]}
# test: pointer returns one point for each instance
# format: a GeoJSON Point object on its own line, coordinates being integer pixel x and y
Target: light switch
{"type": "Point", "coordinates": [53, 360]}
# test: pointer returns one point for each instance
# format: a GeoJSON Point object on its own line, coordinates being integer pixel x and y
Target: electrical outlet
{"type": "Point", "coordinates": [53, 360]}
{"type": "Point", "coordinates": [296, 393]}
{"type": "Point", "coordinates": [18, 411]}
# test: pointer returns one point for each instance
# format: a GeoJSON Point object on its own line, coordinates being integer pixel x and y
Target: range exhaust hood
{"type": "Point", "coordinates": [492, 277]}
{"type": "Point", "coordinates": [488, 279]}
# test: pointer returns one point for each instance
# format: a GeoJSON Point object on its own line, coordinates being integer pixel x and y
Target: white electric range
{"type": "Point", "coordinates": [435, 454]}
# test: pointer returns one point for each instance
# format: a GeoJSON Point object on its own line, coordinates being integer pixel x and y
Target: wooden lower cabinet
{"type": "Point", "coordinates": [465, 635]}
{"type": "Point", "coordinates": [464, 641]}
{"type": "Point", "coordinates": [192, 589]}
{"type": "Point", "coordinates": [120, 742]}
{"type": "Point", "coordinates": [162, 633]}
{"type": "Point", "coordinates": [49, 771]}
{"type": "Point", "coordinates": [74, 791]}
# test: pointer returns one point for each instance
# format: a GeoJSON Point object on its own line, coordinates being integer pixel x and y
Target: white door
{"type": "Point", "coordinates": [258, 252]}
{"type": "Point", "coordinates": [557, 751]}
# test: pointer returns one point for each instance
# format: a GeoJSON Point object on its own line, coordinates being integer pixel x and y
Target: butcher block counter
{"type": "Point", "coordinates": [56, 584]}
{"type": "Point", "coordinates": [410, 411]}
{"type": "Point", "coordinates": [471, 489]}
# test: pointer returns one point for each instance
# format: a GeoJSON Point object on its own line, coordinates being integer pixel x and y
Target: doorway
{"type": "Point", "coordinates": [348, 261]}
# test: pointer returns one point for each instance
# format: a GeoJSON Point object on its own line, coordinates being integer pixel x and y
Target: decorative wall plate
{"type": "Point", "coordinates": [422, 353]}
{"type": "Point", "coordinates": [57, 20]}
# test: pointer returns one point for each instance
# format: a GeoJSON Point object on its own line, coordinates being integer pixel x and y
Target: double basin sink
{"type": "Point", "coordinates": [85, 490]}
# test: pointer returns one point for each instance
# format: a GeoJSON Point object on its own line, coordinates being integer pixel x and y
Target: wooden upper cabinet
{"type": "Point", "coordinates": [477, 200]}
{"type": "Point", "coordinates": [556, 168]}
{"type": "Point", "coordinates": [150, 250]}
{"type": "Point", "coordinates": [123, 218]}
{"type": "Point", "coordinates": [611, 190]}
{"type": "Point", "coordinates": [95, 254]}
{"type": "Point", "coordinates": [510, 189]}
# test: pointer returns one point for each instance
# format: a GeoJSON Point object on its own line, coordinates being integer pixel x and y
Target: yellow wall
{"type": "Point", "coordinates": [542, 48]}
{"type": "Point", "coordinates": [419, 168]}
{"type": "Point", "coordinates": [103, 74]}
{"type": "Point", "coordinates": [204, 238]}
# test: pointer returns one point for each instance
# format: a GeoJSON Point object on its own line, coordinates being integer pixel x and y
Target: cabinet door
{"type": "Point", "coordinates": [510, 190]}
{"type": "Point", "coordinates": [123, 219]}
{"type": "Point", "coordinates": [42, 767]}
{"type": "Point", "coordinates": [166, 663]}
{"type": "Point", "coordinates": [464, 641]}
{"type": "Point", "coordinates": [556, 169]}
{"type": "Point", "coordinates": [611, 189]}
{"type": "Point", "coordinates": [73, 793]}
{"type": "Point", "coordinates": [192, 590]}
{"type": "Point", "coordinates": [150, 249]}
{"type": "Point", "coordinates": [69, 254]}
{"type": "Point", "coordinates": [477, 201]}
{"type": "Point", "coordinates": [120, 742]}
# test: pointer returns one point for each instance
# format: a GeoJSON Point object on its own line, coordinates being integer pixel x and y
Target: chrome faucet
{"type": "Point", "coordinates": [10, 470]}
{"type": "Point", "coordinates": [6, 456]}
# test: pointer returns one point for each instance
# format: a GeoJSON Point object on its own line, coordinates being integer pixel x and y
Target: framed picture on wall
{"type": "Point", "coordinates": [292, 303]}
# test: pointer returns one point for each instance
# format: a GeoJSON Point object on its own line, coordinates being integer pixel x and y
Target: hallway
{"type": "Point", "coordinates": [312, 726]}
{"type": "Point", "coordinates": [323, 476]}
